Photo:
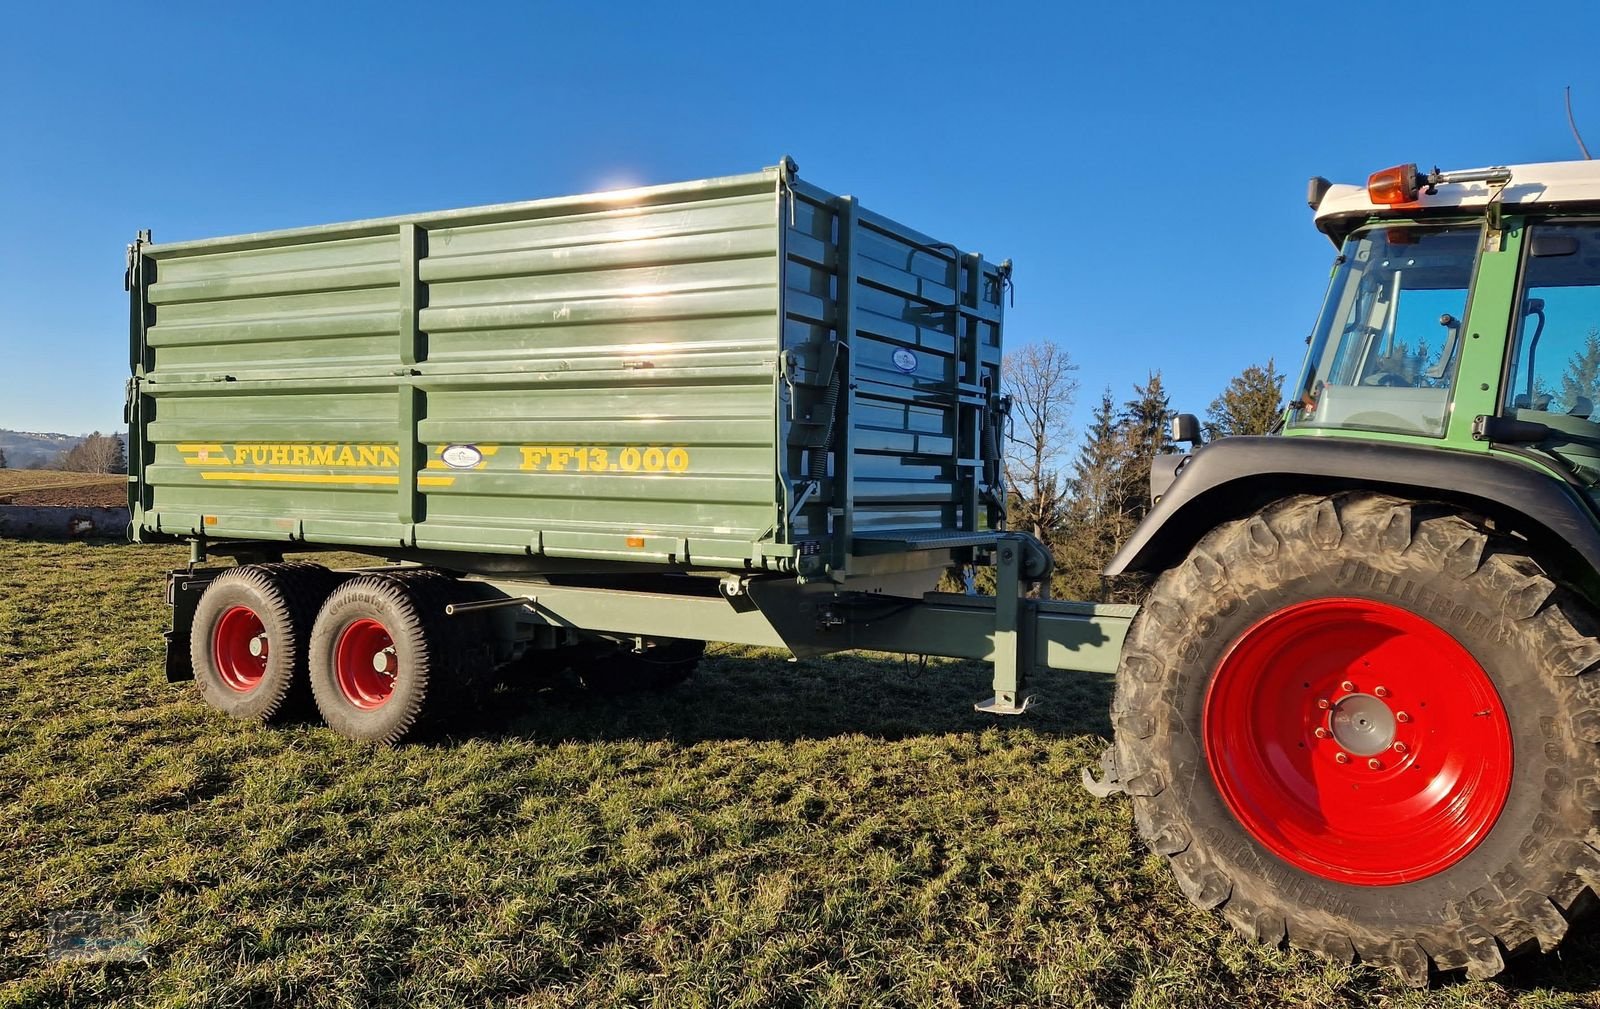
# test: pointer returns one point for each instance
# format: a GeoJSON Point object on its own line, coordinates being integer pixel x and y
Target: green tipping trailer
{"type": "Point", "coordinates": [597, 427]}
{"type": "Point", "coordinates": [745, 373]}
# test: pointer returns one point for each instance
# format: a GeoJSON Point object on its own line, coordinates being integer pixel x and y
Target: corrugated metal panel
{"type": "Point", "coordinates": [655, 375]}
{"type": "Point", "coordinates": [922, 321]}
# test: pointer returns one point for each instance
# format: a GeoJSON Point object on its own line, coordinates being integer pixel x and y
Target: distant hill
{"type": "Point", "coordinates": [33, 448]}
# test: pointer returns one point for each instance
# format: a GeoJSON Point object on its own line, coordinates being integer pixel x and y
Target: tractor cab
{"type": "Point", "coordinates": [1464, 309]}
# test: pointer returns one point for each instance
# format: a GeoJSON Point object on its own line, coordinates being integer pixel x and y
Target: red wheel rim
{"type": "Point", "coordinates": [1357, 741]}
{"type": "Point", "coordinates": [365, 664]}
{"type": "Point", "coordinates": [239, 649]}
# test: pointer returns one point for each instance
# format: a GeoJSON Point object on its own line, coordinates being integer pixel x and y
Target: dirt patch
{"type": "Point", "coordinates": [71, 492]}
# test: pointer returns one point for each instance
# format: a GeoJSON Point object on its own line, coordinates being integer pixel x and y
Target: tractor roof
{"type": "Point", "coordinates": [1547, 184]}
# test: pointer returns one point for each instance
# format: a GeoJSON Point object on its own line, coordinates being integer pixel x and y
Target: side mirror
{"type": "Point", "coordinates": [1316, 189]}
{"type": "Point", "coordinates": [1186, 428]}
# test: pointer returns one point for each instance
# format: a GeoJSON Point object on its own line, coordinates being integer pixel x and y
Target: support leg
{"type": "Point", "coordinates": [1012, 644]}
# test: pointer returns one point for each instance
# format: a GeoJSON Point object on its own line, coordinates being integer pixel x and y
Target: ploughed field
{"type": "Point", "coordinates": [837, 832]}
{"type": "Point", "coordinates": [56, 488]}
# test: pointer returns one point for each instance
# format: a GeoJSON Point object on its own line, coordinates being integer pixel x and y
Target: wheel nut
{"type": "Point", "coordinates": [1381, 691]}
{"type": "Point", "coordinates": [1399, 747]}
{"type": "Point", "coordinates": [1401, 716]}
{"type": "Point", "coordinates": [1320, 732]}
{"type": "Point", "coordinates": [1375, 764]}
{"type": "Point", "coordinates": [1323, 704]}
{"type": "Point", "coordinates": [1347, 687]}
{"type": "Point", "coordinates": [1342, 758]}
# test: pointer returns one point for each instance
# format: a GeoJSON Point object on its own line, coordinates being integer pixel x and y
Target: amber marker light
{"type": "Point", "coordinates": [1393, 185]}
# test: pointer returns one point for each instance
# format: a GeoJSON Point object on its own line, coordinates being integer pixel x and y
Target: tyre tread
{"type": "Point", "coordinates": [1515, 915]}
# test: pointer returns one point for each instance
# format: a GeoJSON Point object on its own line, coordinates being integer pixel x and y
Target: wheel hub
{"type": "Point", "coordinates": [1363, 724]}
{"type": "Point", "coordinates": [366, 664]}
{"type": "Point", "coordinates": [239, 649]}
{"type": "Point", "coordinates": [1357, 741]}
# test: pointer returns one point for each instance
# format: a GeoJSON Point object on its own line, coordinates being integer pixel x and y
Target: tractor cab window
{"type": "Point", "coordinates": [1384, 354]}
{"type": "Point", "coordinates": [1555, 362]}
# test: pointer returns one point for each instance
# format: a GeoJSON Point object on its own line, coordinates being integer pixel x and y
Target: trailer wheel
{"type": "Point", "coordinates": [247, 642]}
{"type": "Point", "coordinates": [1366, 726]}
{"type": "Point", "coordinates": [662, 666]}
{"type": "Point", "coordinates": [373, 660]}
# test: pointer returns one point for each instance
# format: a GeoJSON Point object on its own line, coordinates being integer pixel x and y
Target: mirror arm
{"type": "Point", "coordinates": [1533, 348]}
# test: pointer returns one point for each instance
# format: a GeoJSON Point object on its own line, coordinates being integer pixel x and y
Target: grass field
{"type": "Point", "coordinates": [55, 487]}
{"type": "Point", "coordinates": [841, 832]}
{"type": "Point", "coordinates": [33, 479]}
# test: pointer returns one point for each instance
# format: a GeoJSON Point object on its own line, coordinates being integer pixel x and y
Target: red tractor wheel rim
{"type": "Point", "coordinates": [365, 664]}
{"type": "Point", "coordinates": [1357, 741]}
{"type": "Point", "coordinates": [239, 649]}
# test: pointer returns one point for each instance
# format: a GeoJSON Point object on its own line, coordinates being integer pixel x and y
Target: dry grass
{"type": "Point", "coordinates": [38, 479]}
{"type": "Point", "coordinates": [832, 833]}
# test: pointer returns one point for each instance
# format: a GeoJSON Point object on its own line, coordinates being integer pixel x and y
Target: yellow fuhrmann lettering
{"type": "Point", "coordinates": [346, 457]}
{"type": "Point", "coordinates": [391, 456]}
{"type": "Point", "coordinates": [239, 454]}
{"type": "Point", "coordinates": [367, 455]}
{"type": "Point", "coordinates": [301, 455]}
{"type": "Point", "coordinates": [598, 459]}
{"type": "Point", "coordinates": [322, 455]}
{"type": "Point", "coordinates": [280, 455]}
{"type": "Point", "coordinates": [258, 455]}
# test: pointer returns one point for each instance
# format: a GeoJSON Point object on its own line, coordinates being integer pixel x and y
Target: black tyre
{"type": "Point", "coordinates": [665, 663]}
{"type": "Point", "coordinates": [375, 666]}
{"type": "Point", "coordinates": [248, 642]}
{"type": "Point", "coordinates": [1366, 727]}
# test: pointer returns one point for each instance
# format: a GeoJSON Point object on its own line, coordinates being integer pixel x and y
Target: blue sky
{"type": "Point", "coordinates": [1143, 163]}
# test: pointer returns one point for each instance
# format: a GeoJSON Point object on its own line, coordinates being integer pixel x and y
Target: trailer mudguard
{"type": "Point", "coordinates": [1234, 476]}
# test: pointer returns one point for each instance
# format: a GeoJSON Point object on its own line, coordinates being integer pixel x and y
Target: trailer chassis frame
{"type": "Point", "coordinates": [1018, 635]}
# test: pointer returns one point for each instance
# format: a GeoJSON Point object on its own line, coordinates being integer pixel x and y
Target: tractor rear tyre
{"type": "Point", "coordinates": [1367, 727]}
{"type": "Point", "coordinates": [377, 670]}
{"type": "Point", "coordinates": [247, 645]}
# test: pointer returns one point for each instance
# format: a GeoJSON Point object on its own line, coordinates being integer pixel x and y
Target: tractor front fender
{"type": "Point", "coordinates": [1233, 477]}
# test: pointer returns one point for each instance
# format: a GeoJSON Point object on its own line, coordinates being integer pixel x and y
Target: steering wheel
{"type": "Point", "coordinates": [1386, 378]}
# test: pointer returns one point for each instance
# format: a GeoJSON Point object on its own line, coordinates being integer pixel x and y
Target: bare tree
{"type": "Point", "coordinates": [1041, 381]}
{"type": "Point", "coordinates": [97, 453]}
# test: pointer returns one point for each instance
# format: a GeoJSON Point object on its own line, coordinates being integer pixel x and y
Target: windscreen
{"type": "Point", "coordinates": [1384, 353]}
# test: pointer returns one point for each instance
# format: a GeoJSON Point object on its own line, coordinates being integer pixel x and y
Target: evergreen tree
{"type": "Point", "coordinates": [1094, 471]}
{"type": "Point", "coordinates": [1145, 427]}
{"type": "Point", "coordinates": [1581, 380]}
{"type": "Point", "coordinates": [1097, 519]}
{"type": "Point", "coordinates": [1251, 404]}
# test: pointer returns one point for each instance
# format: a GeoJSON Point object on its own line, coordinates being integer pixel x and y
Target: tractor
{"type": "Point", "coordinates": [1359, 709]}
